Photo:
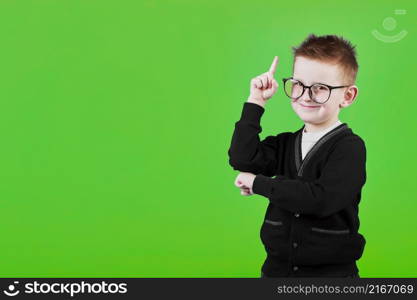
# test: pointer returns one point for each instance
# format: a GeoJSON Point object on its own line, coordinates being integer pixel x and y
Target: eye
{"type": "Point", "coordinates": [320, 88]}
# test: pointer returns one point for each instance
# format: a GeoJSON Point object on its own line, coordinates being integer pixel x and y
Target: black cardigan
{"type": "Point", "coordinates": [311, 222]}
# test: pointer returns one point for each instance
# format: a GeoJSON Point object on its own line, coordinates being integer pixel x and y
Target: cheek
{"type": "Point", "coordinates": [326, 110]}
{"type": "Point", "coordinates": [294, 105]}
{"type": "Point", "coordinates": [295, 108]}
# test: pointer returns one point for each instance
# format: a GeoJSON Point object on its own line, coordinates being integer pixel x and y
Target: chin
{"type": "Point", "coordinates": [309, 119]}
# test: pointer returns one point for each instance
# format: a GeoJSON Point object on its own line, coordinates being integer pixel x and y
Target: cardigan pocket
{"type": "Point", "coordinates": [330, 246]}
{"type": "Point", "coordinates": [330, 231]}
{"type": "Point", "coordinates": [273, 234]}
{"type": "Point", "coordinates": [275, 223]}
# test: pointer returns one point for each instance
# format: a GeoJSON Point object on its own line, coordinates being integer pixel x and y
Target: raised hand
{"type": "Point", "coordinates": [264, 86]}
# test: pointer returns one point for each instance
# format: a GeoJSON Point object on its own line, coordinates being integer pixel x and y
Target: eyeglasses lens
{"type": "Point", "coordinates": [294, 89]}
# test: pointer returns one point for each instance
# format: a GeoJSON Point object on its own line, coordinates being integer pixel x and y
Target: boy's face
{"type": "Point", "coordinates": [310, 71]}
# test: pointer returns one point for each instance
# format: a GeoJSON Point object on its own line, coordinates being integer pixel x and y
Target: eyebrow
{"type": "Point", "coordinates": [312, 83]}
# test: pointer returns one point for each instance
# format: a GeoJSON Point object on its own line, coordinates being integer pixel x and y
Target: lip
{"type": "Point", "coordinates": [308, 106]}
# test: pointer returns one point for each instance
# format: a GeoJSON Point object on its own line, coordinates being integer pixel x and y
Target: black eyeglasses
{"type": "Point", "coordinates": [318, 92]}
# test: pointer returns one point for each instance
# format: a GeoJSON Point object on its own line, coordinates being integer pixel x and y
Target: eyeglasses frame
{"type": "Point", "coordinates": [284, 80]}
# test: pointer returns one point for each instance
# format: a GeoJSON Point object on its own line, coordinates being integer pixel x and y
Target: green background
{"type": "Point", "coordinates": [116, 118]}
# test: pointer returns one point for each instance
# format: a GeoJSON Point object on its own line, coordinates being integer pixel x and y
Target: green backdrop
{"type": "Point", "coordinates": [116, 118]}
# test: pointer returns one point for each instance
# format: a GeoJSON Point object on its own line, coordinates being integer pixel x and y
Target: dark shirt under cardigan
{"type": "Point", "coordinates": [311, 223]}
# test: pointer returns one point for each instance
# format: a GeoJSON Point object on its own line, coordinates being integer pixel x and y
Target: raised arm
{"type": "Point", "coordinates": [247, 153]}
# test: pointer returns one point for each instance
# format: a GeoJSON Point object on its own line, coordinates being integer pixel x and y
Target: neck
{"type": "Point", "coordinates": [315, 127]}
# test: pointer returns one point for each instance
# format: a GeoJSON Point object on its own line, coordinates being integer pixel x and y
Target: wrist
{"type": "Point", "coordinates": [262, 185]}
{"type": "Point", "coordinates": [256, 101]}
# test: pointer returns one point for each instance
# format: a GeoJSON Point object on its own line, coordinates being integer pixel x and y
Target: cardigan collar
{"type": "Point", "coordinates": [299, 162]}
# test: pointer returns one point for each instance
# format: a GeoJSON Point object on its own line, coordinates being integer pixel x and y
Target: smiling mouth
{"type": "Point", "coordinates": [309, 106]}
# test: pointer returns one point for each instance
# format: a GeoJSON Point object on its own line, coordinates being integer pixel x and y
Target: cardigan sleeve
{"type": "Point", "coordinates": [247, 153]}
{"type": "Point", "coordinates": [338, 186]}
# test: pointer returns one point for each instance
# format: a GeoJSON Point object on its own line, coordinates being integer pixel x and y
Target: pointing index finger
{"type": "Point", "coordinates": [273, 67]}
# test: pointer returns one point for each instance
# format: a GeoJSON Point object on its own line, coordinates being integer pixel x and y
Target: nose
{"type": "Point", "coordinates": [305, 97]}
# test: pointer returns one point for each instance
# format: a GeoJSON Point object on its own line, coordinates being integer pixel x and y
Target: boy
{"type": "Point", "coordinates": [311, 223]}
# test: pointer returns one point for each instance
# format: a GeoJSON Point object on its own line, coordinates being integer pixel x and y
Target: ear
{"type": "Point", "coordinates": [349, 96]}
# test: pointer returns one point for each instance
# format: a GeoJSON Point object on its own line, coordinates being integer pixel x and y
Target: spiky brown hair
{"type": "Point", "coordinates": [333, 49]}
